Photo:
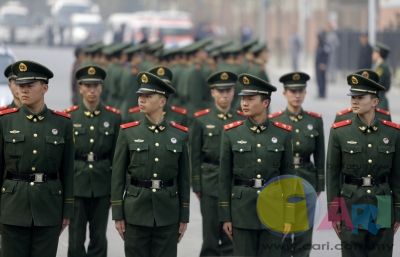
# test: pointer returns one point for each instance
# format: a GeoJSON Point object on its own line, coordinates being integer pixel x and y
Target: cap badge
{"type": "Point", "coordinates": [365, 74]}
{"type": "Point", "coordinates": [161, 71]}
{"type": "Point", "coordinates": [246, 80]}
{"type": "Point", "coordinates": [91, 71]}
{"type": "Point", "coordinates": [296, 76]}
{"type": "Point", "coordinates": [144, 78]}
{"type": "Point", "coordinates": [22, 67]}
{"type": "Point", "coordinates": [354, 80]}
{"type": "Point", "coordinates": [224, 76]}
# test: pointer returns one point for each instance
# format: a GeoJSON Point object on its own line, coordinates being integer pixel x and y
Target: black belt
{"type": "Point", "coordinates": [210, 161]}
{"type": "Point", "coordinates": [152, 183]}
{"type": "Point", "coordinates": [254, 182]}
{"type": "Point", "coordinates": [32, 177]}
{"type": "Point", "coordinates": [90, 157]}
{"type": "Point", "coordinates": [297, 160]}
{"type": "Point", "coordinates": [365, 181]}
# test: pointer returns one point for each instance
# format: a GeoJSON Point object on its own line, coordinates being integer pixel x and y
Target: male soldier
{"type": "Point", "coordinates": [379, 56]}
{"type": "Point", "coordinates": [205, 159]}
{"type": "Point", "coordinates": [36, 168]}
{"type": "Point", "coordinates": [307, 141]}
{"type": "Point", "coordinates": [96, 129]}
{"type": "Point", "coordinates": [150, 181]}
{"type": "Point", "coordinates": [13, 88]}
{"type": "Point", "coordinates": [363, 174]}
{"type": "Point", "coordinates": [252, 152]}
{"type": "Point", "coordinates": [172, 112]}
{"type": "Point", "coordinates": [380, 113]}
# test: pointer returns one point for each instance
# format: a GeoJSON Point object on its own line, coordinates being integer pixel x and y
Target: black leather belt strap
{"type": "Point", "coordinates": [255, 182]}
{"type": "Point", "coordinates": [90, 157]}
{"type": "Point", "coordinates": [32, 177]}
{"type": "Point", "coordinates": [365, 181]}
{"type": "Point", "coordinates": [153, 183]}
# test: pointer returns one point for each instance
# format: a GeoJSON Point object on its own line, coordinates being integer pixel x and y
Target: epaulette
{"type": "Point", "coordinates": [239, 112]}
{"type": "Point", "coordinates": [342, 112]}
{"type": "Point", "coordinates": [201, 112]}
{"type": "Point", "coordinates": [283, 126]}
{"type": "Point", "coordinates": [275, 114]}
{"type": "Point", "coordinates": [383, 111]}
{"type": "Point", "coordinates": [3, 107]}
{"type": "Point", "coordinates": [314, 114]}
{"type": "Point", "coordinates": [391, 124]}
{"type": "Point", "coordinates": [112, 109]}
{"type": "Point", "coordinates": [233, 125]}
{"type": "Point", "coordinates": [341, 124]}
{"type": "Point", "coordinates": [72, 108]}
{"type": "Point", "coordinates": [179, 110]}
{"type": "Point", "coordinates": [130, 124]}
{"type": "Point", "coordinates": [134, 109]}
{"type": "Point", "coordinates": [9, 110]}
{"type": "Point", "coordinates": [63, 114]}
{"type": "Point", "coordinates": [179, 126]}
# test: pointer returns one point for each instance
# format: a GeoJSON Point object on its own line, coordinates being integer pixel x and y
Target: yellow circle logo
{"type": "Point", "coordinates": [246, 80]}
{"type": "Point", "coordinates": [22, 67]}
{"type": "Point", "coordinates": [91, 71]}
{"type": "Point", "coordinates": [354, 80]}
{"type": "Point", "coordinates": [161, 71]}
{"type": "Point", "coordinates": [296, 76]}
{"type": "Point", "coordinates": [224, 76]}
{"type": "Point", "coordinates": [144, 79]}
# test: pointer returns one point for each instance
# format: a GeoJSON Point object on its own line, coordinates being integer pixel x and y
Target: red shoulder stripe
{"type": "Point", "coordinates": [275, 114]}
{"type": "Point", "coordinates": [341, 124]}
{"type": "Point", "coordinates": [112, 109]}
{"type": "Point", "coordinates": [180, 110]}
{"type": "Point", "coordinates": [72, 108]}
{"type": "Point", "coordinates": [130, 124]}
{"type": "Point", "coordinates": [3, 108]}
{"type": "Point", "coordinates": [342, 112]}
{"type": "Point", "coordinates": [233, 124]}
{"type": "Point", "coordinates": [63, 114]}
{"type": "Point", "coordinates": [201, 113]}
{"type": "Point", "coordinates": [283, 126]}
{"type": "Point", "coordinates": [7, 111]}
{"type": "Point", "coordinates": [314, 114]}
{"type": "Point", "coordinates": [383, 111]}
{"type": "Point", "coordinates": [134, 109]}
{"type": "Point", "coordinates": [391, 124]}
{"type": "Point", "coordinates": [179, 126]}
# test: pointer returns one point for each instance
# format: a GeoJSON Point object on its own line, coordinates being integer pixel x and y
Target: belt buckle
{"type": "Point", "coordinates": [39, 177]}
{"type": "Point", "coordinates": [366, 181]}
{"type": "Point", "coordinates": [296, 160]}
{"type": "Point", "coordinates": [155, 184]}
{"type": "Point", "coordinates": [90, 157]}
{"type": "Point", "coordinates": [258, 182]}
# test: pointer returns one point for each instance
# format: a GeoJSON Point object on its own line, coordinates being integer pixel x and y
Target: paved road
{"type": "Point", "coordinates": [58, 97]}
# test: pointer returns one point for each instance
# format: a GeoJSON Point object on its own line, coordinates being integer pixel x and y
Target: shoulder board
{"type": "Point", "coordinates": [64, 114]}
{"type": "Point", "coordinates": [233, 125]}
{"type": "Point", "coordinates": [341, 124]}
{"type": "Point", "coordinates": [179, 110]}
{"type": "Point", "coordinates": [283, 126]}
{"type": "Point", "coordinates": [391, 124]}
{"type": "Point", "coordinates": [130, 124]}
{"type": "Point", "coordinates": [240, 113]}
{"type": "Point", "coordinates": [342, 112]}
{"type": "Point", "coordinates": [275, 114]}
{"type": "Point", "coordinates": [72, 108]}
{"type": "Point", "coordinates": [7, 111]}
{"type": "Point", "coordinates": [112, 109]}
{"type": "Point", "coordinates": [179, 126]}
{"type": "Point", "coordinates": [201, 113]}
{"type": "Point", "coordinates": [383, 111]}
{"type": "Point", "coordinates": [134, 109]}
{"type": "Point", "coordinates": [3, 108]}
{"type": "Point", "coordinates": [314, 114]}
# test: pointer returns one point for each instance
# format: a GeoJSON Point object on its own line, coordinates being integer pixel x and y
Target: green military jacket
{"type": "Point", "coordinates": [195, 93]}
{"type": "Point", "coordinates": [172, 113]}
{"type": "Point", "coordinates": [206, 144]}
{"type": "Point", "coordinates": [258, 70]}
{"type": "Point", "coordinates": [144, 152]}
{"type": "Point", "coordinates": [357, 150]}
{"type": "Point", "coordinates": [348, 114]}
{"type": "Point", "coordinates": [249, 151]}
{"type": "Point", "coordinates": [308, 140]}
{"type": "Point", "coordinates": [129, 97]}
{"type": "Point", "coordinates": [31, 144]}
{"type": "Point", "coordinates": [95, 136]}
{"type": "Point", "coordinates": [385, 75]}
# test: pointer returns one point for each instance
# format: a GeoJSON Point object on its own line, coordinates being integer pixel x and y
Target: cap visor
{"type": "Point", "coordinates": [352, 93]}
{"type": "Point", "coordinates": [247, 93]}
{"type": "Point", "coordinates": [26, 81]}
{"type": "Point", "coordinates": [90, 81]}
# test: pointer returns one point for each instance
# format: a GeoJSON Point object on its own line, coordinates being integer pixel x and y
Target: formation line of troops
{"type": "Point", "coordinates": [60, 169]}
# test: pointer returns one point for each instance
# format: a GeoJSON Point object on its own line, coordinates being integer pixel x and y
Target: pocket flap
{"type": "Point", "coordinates": [347, 190]}
{"type": "Point", "coordinates": [106, 131]}
{"type": "Point", "coordinates": [275, 148]}
{"type": "Point", "coordinates": [55, 140]}
{"type": "Point", "coordinates": [174, 148]}
{"type": "Point", "coordinates": [211, 132]}
{"type": "Point", "coordinates": [133, 191]}
{"type": "Point", "coordinates": [311, 133]}
{"type": "Point", "coordinates": [237, 192]}
{"type": "Point", "coordinates": [14, 138]}
{"type": "Point", "coordinates": [8, 187]}
{"type": "Point", "coordinates": [352, 149]}
{"type": "Point", "coordinates": [138, 147]}
{"type": "Point", "coordinates": [79, 131]}
{"type": "Point", "coordinates": [241, 148]}
{"type": "Point", "coordinates": [386, 149]}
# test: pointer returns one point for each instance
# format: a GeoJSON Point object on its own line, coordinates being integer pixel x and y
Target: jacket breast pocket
{"type": "Point", "coordinates": [139, 153]}
{"type": "Point", "coordinates": [241, 155]}
{"type": "Point", "coordinates": [211, 138]}
{"type": "Point", "coordinates": [79, 131]}
{"type": "Point", "coordinates": [274, 154]}
{"type": "Point", "coordinates": [351, 157]}
{"type": "Point", "coordinates": [14, 145]}
{"type": "Point", "coordinates": [172, 155]}
{"type": "Point", "coordinates": [106, 131]}
{"type": "Point", "coordinates": [311, 133]}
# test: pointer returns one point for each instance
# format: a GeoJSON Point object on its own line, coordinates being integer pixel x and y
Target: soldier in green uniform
{"type": "Point", "coordinates": [259, 59]}
{"type": "Point", "coordinates": [150, 181]}
{"type": "Point", "coordinates": [36, 168]}
{"type": "Point", "coordinates": [379, 56]}
{"type": "Point", "coordinates": [252, 152]}
{"type": "Point", "coordinates": [206, 142]}
{"type": "Point", "coordinates": [347, 113]}
{"type": "Point", "coordinates": [13, 88]}
{"type": "Point", "coordinates": [96, 128]}
{"type": "Point", "coordinates": [307, 140]}
{"type": "Point", "coordinates": [363, 174]}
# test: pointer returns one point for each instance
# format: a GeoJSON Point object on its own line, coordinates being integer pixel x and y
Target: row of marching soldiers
{"type": "Point", "coordinates": [233, 157]}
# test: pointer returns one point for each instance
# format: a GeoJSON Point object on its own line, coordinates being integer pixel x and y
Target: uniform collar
{"type": "Point", "coordinates": [363, 127]}
{"type": "Point", "coordinates": [295, 117]}
{"type": "Point", "coordinates": [34, 117]}
{"type": "Point", "coordinates": [221, 115]}
{"type": "Point", "coordinates": [256, 128]}
{"type": "Point", "coordinates": [91, 114]}
{"type": "Point", "coordinates": [155, 128]}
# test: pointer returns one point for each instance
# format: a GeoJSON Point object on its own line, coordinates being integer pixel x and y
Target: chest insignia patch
{"type": "Point", "coordinates": [310, 127]}
{"type": "Point", "coordinates": [274, 140]}
{"type": "Point", "coordinates": [352, 142]}
{"type": "Point", "coordinates": [385, 140]}
{"type": "Point", "coordinates": [106, 124]}
{"type": "Point", "coordinates": [138, 140]}
{"type": "Point", "coordinates": [242, 142]}
{"type": "Point", "coordinates": [77, 125]}
{"type": "Point", "coordinates": [14, 131]}
{"type": "Point", "coordinates": [173, 140]}
{"type": "Point", "coordinates": [210, 126]}
{"type": "Point", "coordinates": [54, 131]}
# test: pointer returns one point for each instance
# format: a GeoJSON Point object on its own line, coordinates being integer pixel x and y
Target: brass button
{"type": "Point", "coordinates": [34, 135]}
{"type": "Point", "coordinates": [90, 166]}
{"type": "Point", "coordinates": [297, 130]}
{"type": "Point", "coordinates": [387, 151]}
{"type": "Point", "coordinates": [174, 151]}
{"type": "Point", "coordinates": [91, 140]}
{"type": "Point", "coordinates": [34, 120]}
{"type": "Point", "coordinates": [369, 145]}
{"type": "Point", "coordinates": [155, 175]}
{"type": "Point", "coordinates": [297, 143]}
{"type": "Point", "coordinates": [76, 133]}
{"type": "Point", "coordinates": [258, 160]}
{"type": "Point", "coordinates": [369, 161]}
{"type": "Point", "coordinates": [13, 140]}
{"type": "Point", "coordinates": [258, 191]}
{"type": "Point", "coordinates": [209, 134]}
{"type": "Point", "coordinates": [351, 151]}
{"type": "Point", "coordinates": [33, 168]}
{"type": "Point", "coordinates": [311, 135]}
{"type": "Point", "coordinates": [55, 142]}
{"type": "Point", "coordinates": [241, 150]}
{"type": "Point", "coordinates": [59, 192]}
{"type": "Point", "coordinates": [138, 149]}
{"type": "Point", "coordinates": [106, 133]}
{"type": "Point", "coordinates": [368, 191]}
{"type": "Point", "coordinates": [3, 189]}
{"type": "Point", "coordinates": [156, 130]}
{"type": "Point", "coordinates": [258, 176]}
{"type": "Point", "coordinates": [297, 154]}
{"type": "Point", "coordinates": [154, 190]}
{"type": "Point", "coordinates": [258, 145]}
{"type": "Point", "coordinates": [369, 175]}
{"type": "Point", "coordinates": [156, 159]}
{"type": "Point", "coordinates": [32, 183]}
{"type": "Point", "coordinates": [34, 151]}
{"type": "Point", "coordinates": [157, 144]}
{"type": "Point", "coordinates": [368, 130]}
{"type": "Point", "coordinates": [91, 127]}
